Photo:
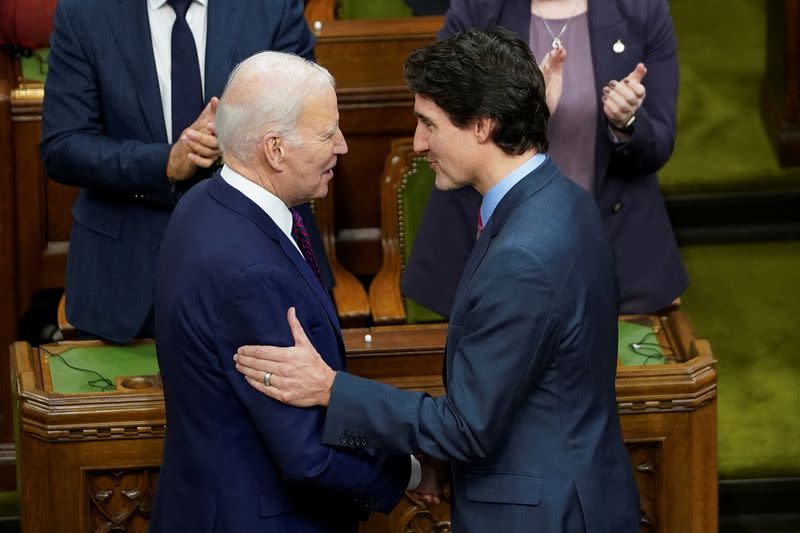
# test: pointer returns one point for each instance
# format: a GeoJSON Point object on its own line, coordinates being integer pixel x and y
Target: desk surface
{"type": "Point", "coordinates": [96, 367]}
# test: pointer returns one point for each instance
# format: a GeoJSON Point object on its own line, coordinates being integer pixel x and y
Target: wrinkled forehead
{"type": "Point", "coordinates": [320, 110]}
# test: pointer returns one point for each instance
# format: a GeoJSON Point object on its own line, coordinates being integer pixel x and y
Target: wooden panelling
{"type": "Point", "coordinates": [367, 57]}
{"type": "Point", "coordinates": [8, 288]}
{"type": "Point", "coordinates": [74, 447]}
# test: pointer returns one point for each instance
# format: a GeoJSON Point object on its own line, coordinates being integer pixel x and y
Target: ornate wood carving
{"type": "Point", "coordinates": [120, 500]}
{"type": "Point", "coordinates": [419, 517]}
{"type": "Point", "coordinates": [646, 461]}
{"type": "Point", "coordinates": [65, 438]}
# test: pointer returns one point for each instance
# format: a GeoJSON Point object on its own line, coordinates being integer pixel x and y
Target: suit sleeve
{"type": "Point", "coordinates": [255, 313]}
{"type": "Point", "coordinates": [506, 344]}
{"type": "Point", "coordinates": [465, 14]}
{"type": "Point", "coordinates": [293, 35]}
{"type": "Point", "coordinates": [653, 139]}
{"type": "Point", "coordinates": [75, 148]}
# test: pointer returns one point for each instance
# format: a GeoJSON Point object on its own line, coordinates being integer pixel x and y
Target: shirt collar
{"type": "Point", "coordinates": [157, 4]}
{"type": "Point", "coordinates": [268, 202]}
{"type": "Point", "coordinates": [494, 195]}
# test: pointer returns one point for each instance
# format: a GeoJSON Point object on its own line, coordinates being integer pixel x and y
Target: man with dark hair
{"type": "Point", "coordinates": [529, 422]}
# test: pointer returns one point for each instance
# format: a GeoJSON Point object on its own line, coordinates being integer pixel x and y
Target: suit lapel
{"type": "Point", "coordinates": [236, 201]}
{"type": "Point", "coordinates": [474, 259]}
{"type": "Point", "coordinates": [131, 30]}
{"type": "Point", "coordinates": [224, 20]}
{"type": "Point", "coordinates": [528, 186]}
{"type": "Point", "coordinates": [605, 28]}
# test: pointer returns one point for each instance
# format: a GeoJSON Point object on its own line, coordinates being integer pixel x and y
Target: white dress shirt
{"type": "Point", "coordinates": [268, 202]}
{"type": "Point", "coordinates": [280, 214]}
{"type": "Point", "coordinates": [161, 17]}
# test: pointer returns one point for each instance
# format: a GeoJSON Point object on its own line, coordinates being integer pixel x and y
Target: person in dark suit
{"type": "Point", "coordinates": [111, 126]}
{"type": "Point", "coordinates": [607, 133]}
{"type": "Point", "coordinates": [529, 420]}
{"type": "Point", "coordinates": [235, 257]}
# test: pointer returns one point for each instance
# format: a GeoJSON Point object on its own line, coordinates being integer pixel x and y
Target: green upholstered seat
{"type": "Point", "coordinates": [34, 66]}
{"type": "Point", "coordinates": [406, 185]}
{"type": "Point", "coordinates": [412, 196]}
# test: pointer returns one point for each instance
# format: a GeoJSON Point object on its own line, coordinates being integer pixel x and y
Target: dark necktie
{"type": "Point", "coordinates": [480, 225]}
{"type": "Point", "coordinates": [303, 240]}
{"type": "Point", "coordinates": [187, 90]}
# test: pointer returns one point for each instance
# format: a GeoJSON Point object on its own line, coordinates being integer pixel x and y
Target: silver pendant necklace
{"type": "Point", "coordinates": [557, 38]}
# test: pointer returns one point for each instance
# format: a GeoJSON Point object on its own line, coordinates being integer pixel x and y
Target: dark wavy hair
{"type": "Point", "coordinates": [485, 74]}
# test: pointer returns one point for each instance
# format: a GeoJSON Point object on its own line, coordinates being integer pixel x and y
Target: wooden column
{"type": "Point", "coordinates": [781, 92]}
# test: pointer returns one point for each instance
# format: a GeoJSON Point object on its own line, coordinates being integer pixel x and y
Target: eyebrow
{"type": "Point", "coordinates": [422, 117]}
{"type": "Point", "coordinates": [332, 131]}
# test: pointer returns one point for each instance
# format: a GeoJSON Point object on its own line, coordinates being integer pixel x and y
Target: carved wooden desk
{"type": "Point", "coordinates": [89, 461]}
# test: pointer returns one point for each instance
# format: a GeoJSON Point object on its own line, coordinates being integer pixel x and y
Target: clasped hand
{"type": "Point", "coordinates": [197, 146]}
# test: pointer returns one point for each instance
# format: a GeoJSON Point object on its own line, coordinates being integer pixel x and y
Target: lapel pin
{"type": "Point", "coordinates": [618, 47]}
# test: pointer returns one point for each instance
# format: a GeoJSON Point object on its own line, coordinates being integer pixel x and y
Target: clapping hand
{"type": "Point", "coordinates": [197, 146]}
{"type": "Point", "coordinates": [552, 67]}
{"type": "Point", "coordinates": [621, 99]}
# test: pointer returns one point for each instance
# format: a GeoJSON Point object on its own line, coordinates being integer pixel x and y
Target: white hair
{"type": "Point", "coordinates": [265, 94]}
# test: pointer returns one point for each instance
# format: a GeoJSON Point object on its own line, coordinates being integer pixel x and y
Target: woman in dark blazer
{"type": "Point", "coordinates": [606, 132]}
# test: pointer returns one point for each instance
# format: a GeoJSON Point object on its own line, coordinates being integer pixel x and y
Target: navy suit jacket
{"type": "Point", "coordinates": [529, 419]}
{"type": "Point", "coordinates": [103, 130]}
{"type": "Point", "coordinates": [234, 459]}
{"type": "Point", "coordinates": [648, 262]}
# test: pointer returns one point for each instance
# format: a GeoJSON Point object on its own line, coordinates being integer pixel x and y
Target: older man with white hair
{"type": "Point", "coordinates": [234, 258]}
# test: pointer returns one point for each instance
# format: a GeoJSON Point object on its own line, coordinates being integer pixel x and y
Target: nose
{"type": "Point", "coordinates": [340, 145]}
{"type": "Point", "coordinates": [420, 140]}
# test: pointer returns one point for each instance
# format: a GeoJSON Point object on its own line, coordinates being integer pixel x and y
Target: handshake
{"type": "Point", "coordinates": [435, 477]}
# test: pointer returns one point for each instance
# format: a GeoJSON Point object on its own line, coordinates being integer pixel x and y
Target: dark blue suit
{"type": "Point", "coordinates": [235, 460]}
{"type": "Point", "coordinates": [103, 130]}
{"type": "Point", "coordinates": [648, 262]}
{"type": "Point", "coordinates": [530, 416]}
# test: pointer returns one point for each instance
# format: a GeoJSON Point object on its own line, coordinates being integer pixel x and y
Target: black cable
{"type": "Point", "coordinates": [102, 382]}
{"type": "Point", "coordinates": [649, 350]}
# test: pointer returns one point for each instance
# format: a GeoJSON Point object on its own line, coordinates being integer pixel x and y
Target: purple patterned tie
{"type": "Point", "coordinates": [301, 237]}
{"type": "Point", "coordinates": [480, 226]}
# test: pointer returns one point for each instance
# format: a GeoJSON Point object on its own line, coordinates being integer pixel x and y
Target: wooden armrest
{"type": "Point", "coordinates": [349, 296]}
{"type": "Point", "coordinates": [67, 329]}
{"type": "Point", "coordinates": [385, 299]}
{"type": "Point", "coordinates": [384, 291]}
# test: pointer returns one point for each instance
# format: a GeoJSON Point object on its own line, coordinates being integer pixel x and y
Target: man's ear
{"type": "Point", "coordinates": [483, 129]}
{"type": "Point", "coordinates": [274, 150]}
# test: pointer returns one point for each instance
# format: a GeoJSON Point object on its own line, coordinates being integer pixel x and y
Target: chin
{"type": "Point", "coordinates": [321, 193]}
{"type": "Point", "coordinates": [445, 184]}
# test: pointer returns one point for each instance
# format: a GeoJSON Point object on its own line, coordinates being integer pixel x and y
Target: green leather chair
{"type": "Point", "coordinates": [406, 184]}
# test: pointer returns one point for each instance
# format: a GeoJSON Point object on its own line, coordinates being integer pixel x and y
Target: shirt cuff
{"type": "Point", "coordinates": [416, 474]}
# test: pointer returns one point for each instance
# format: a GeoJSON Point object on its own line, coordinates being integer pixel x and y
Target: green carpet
{"type": "Point", "coordinates": [744, 300]}
{"type": "Point", "coordinates": [721, 143]}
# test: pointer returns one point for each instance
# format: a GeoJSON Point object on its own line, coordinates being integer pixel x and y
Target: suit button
{"type": "Point", "coordinates": [342, 440]}
{"type": "Point", "coordinates": [351, 441]}
{"type": "Point", "coordinates": [617, 207]}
